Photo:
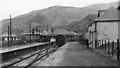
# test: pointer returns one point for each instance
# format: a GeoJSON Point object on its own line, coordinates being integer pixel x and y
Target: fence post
{"type": "Point", "coordinates": [112, 48]}
{"type": "Point", "coordinates": [105, 45]}
{"type": "Point", "coordinates": [118, 50]}
{"type": "Point", "coordinates": [87, 43]}
{"type": "Point", "coordinates": [102, 44]}
{"type": "Point", "coordinates": [108, 47]}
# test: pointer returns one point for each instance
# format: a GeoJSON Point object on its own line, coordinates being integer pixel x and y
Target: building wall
{"type": "Point", "coordinates": [91, 36]}
{"type": "Point", "coordinates": [107, 30]}
{"type": "Point", "coordinates": [86, 36]}
{"type": "Point", "coordinates": [119, 29]}
{"type": "Point", "coordinates": [119, 22]}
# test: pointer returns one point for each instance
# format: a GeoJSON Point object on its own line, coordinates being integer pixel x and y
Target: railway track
{"type": "Point", "coordinates": [37, 58]}
{"type": "Point", "coordinates": [37, 54]}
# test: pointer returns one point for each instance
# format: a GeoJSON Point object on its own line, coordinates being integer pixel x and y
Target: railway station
{"type": "Point", "coordinates": [62, 37]}
{"type": "Point", "coordinates": [64, 48]}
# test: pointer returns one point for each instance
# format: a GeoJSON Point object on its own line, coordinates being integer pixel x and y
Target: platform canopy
{"type": "Point", "coordinates": [64, 31]}
{"type": "Point", "coordinates": [6, 35]}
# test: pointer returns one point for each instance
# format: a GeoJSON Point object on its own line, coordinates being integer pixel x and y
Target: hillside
{"type": "Point", "coordinates": [55, 16]}
{"type": "Point", "coordinates": [77, 26]}
{"type": "Point", "coordinates": [103, 6]}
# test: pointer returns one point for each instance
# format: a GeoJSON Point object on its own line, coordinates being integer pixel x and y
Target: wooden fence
{"type": "Point", "coordinates": [112, 48]}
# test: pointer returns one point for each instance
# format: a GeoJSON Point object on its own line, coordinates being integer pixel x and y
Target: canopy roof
{"type": "Point", "coordinates": [64, 31]}
{"type": "Point", "coordinates": [6, 35]}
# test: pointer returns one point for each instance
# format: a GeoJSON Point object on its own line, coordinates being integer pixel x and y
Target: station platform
{"type": "Point", "coordinates": [12, 48]}
{"type": "Point", "coordinates": [75, 54]}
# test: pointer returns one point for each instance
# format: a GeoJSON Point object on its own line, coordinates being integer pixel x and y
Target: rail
{"type": "Point", "coordinates": [38, 53]}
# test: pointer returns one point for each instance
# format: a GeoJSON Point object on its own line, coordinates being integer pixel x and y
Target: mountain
{"type": "Point", "coordinates": [55, 16]}
{"type": "Point", "coordinates": [77, 27]}
{"type": "Point", "coordinates": [103, 6]}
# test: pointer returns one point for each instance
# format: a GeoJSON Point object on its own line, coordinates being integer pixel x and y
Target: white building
{"type": "Point", "coordinates": [105, 27]}
{"type": "Point", "coordinates": [5, 37]}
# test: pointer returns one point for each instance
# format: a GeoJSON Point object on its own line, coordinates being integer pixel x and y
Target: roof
{"type": "Point", "coordinates": [6, 35]}
{"type": "Point", "coordinates": [64, 31]}
{"type": "Point", "coordinates": [56, 32]}
{"type": "Point", "coordinates": [111, 14]}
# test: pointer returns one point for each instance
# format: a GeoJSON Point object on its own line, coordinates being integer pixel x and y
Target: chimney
{"type": "Point", "coordinates": [100, 12]}
{"type": "Point", "coordinates": [118, 5]}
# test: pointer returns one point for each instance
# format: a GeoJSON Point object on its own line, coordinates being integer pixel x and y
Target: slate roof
{"type": "Point", "coordinates": [111, 14]}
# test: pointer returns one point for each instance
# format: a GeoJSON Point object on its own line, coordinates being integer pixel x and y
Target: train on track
{"type": "Point", "coordinates": [40, 42]}
{"type": "Point", "coordinates": [58, 38]}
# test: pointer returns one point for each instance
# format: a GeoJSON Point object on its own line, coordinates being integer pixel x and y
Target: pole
{"type": "Point", "coordinates": [102, 44]}
{"type": "Point", "coordinates": [8, 34]}
{"type": "Point", "coordinates": [52, 30]}
{"type": "Point", "coordinates": [95, 35]}
{"type": "Point", "coordinates": [39, 36]}
{"type": "Point", "coordinates": [11, 30]}
{"type": "Point", "coordinates": [118, 50]}
{"type": "Point", "coordinates": [112, 48]}
{"type": "Point", "coordinates": [108, 47]}
{"type": "Point", "coordinates": [30, 31]}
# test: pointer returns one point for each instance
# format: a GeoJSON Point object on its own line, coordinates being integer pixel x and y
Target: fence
{"type": "Point", "coordinates": [111, 48]}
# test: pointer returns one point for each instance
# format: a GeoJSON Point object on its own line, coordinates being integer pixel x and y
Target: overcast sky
{"type": "Point", "coordinates": [18, 7]}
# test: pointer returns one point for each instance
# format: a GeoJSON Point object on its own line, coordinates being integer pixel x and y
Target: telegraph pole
{"type": "Point", "coordinates": [11, 30]}
{"type": "Point", "coordinates": [10, 26]}
{"type": "Point", "coordinates": [8, 34]}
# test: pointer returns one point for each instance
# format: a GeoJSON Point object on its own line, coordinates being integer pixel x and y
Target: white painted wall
{"type": "Point", "coordinates": [107, 30]}
{"type": "Point", "coordinates": [92, 35]}
{"type": "Point", "coordinates": [119, 29]}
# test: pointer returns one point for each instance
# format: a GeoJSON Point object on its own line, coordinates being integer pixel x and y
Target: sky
{"type": "Point", "coordinates": [18, 7]}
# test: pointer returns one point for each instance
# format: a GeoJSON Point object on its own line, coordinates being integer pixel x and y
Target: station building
{"type": "Point", "coordinates": [105, 27]}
